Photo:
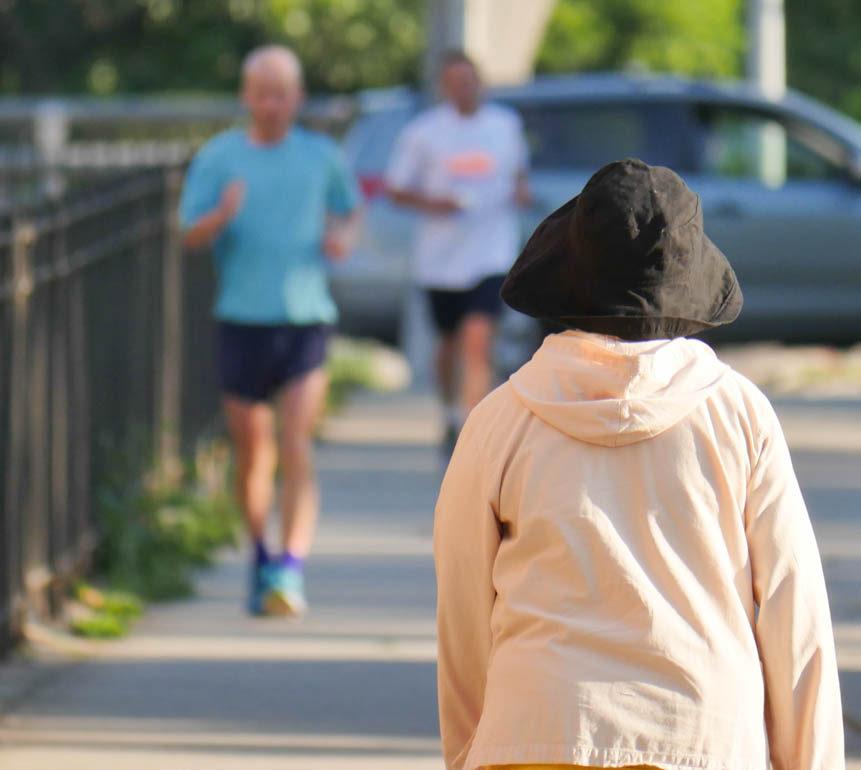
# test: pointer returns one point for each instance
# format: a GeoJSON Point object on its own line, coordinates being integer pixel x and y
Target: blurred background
{"type": "Point", "coordinates": [110, 461]}
{"type": "Point", "coordinates": [93, 87]}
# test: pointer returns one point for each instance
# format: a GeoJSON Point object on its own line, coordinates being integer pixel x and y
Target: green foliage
{"type": "Point", "coordinates": [362, 364]}
{"type": "Point", "coordinates": [136, 46]}
{"type": "Point", "coordinates": [100, 625]}
{"type": "Point", "coordinates": [104, 614]}
{"type": "Point", "coordinates": [122, 604]}
{"type": "Point", "coordinates": [823, 41]}
{"type": "Point", "coordinates": [155, 530]}
{"type": "Point", "coordinates": [701, 39]}
{"type": "Point", "coordinates": [133, 46]}
{"type": "Point", "coordinates": [350, 44]}
{"type": "Point", "coordinates": [349, 366]}
{"type": "Point", "coordinates": [115, 46]}
{"type": "Point", "coordinates": [708, 38]}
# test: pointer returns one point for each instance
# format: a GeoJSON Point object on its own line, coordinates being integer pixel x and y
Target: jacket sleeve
{"type": "Point", "coordinates": [466, 539]}
{"type": "Point", "coordinates": [793, 627]}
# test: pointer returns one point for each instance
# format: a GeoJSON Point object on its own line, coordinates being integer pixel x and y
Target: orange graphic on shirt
{"type": "Point", "coordinates": [473, 163]}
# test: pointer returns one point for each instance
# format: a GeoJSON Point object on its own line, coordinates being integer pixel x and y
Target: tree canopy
{"type": "Point", "coordinates": [823, 51]}
{"type": "Point", "coordinates": [703, 39]}
{"type": "Point", "coordinates": [137, 46]}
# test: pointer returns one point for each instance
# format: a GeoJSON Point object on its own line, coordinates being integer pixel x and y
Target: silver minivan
{"type": "Point", "coordinates": [780, 183]}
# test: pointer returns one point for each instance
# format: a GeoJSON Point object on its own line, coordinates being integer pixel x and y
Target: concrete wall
{"type": "Point", "coordinates": [503, 36]}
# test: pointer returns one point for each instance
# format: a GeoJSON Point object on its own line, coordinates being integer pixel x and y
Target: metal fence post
{"type": "Point", "coordinates": [79, 416]}
{"type": "Point", "coordinates": [50, 136]}
{"type": "Point", "coordinates": [61, 545]}
{"type": "Point", "coordinates": [169, 386]}
{"type": "Point", "coordinates": [17, 473]}
{"type": "Point", "coordinates": [38, 565]}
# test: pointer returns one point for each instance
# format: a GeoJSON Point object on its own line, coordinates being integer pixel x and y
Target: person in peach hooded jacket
{"type": "Point", "coordinates": [627, 572]}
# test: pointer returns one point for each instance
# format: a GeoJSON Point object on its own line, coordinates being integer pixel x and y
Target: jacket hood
{"type": "Point", "coordinates": [610, 392]}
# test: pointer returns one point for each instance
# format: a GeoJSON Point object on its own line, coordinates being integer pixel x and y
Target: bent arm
{"type": "Point", "coordinates": [205, 206]}
{"type": "Point", "coordinates": [205, 230]}
{"type": "Point", "coordinates": [417, 201]}
{"type": "Point", "coordinates": [342, 233]}
{"type": "Point", "coordinates": [523, 190]}
{"type": "Point", "coordinates": [407, 168]}
{"type": "Point", "coordinates": [406, 198]}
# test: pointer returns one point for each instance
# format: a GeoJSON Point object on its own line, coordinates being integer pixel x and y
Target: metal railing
{"type": "Point", "coordinates": [104, 336]}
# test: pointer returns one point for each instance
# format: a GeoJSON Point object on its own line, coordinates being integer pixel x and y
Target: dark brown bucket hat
{"type": "Point", "coordinates": [626, 257]}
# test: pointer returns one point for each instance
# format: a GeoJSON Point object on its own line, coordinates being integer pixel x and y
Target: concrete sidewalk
{"type": "Point", "coordinates": [200, 684]}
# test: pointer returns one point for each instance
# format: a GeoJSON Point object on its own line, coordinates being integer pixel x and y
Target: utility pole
{"type": "Point", "coordinates": [766, 68]}
{"type": "Point", "coordinates": [445, 28]}
{"type": "Point", "coordinates": [446, 22]}
{"type": "Point", "coordinates": [766, 61]}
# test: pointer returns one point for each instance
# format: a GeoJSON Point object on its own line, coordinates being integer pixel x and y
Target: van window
{"type": "Point", "coordinates": [588, 136]}
{"type": "Point", "coordinates": [370, 141]}
{"type": "Point", "coordinates": [739, 143]}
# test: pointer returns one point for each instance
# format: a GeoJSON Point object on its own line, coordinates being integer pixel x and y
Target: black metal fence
{"type": "Point", "coordinates": [104, 336]}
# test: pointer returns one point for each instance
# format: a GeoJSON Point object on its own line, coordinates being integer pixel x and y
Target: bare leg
{"type": "Point", "coordinates": [300, 404]}
{"type": "Point", "coordinates": [446, 367]}
{"type": "Point", "coordinates": [251, 430]}
{"type": "Point", "coordinates": [476, 333]}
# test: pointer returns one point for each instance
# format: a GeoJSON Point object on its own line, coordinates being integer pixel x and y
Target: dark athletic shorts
{"type": "Point", "coordinates": [449, 308]}
{"type": "Point", "coordinates": [254, 361]}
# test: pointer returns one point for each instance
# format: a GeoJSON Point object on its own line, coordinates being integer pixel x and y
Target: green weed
{"type": "Point", "coordinates": [154, 530]}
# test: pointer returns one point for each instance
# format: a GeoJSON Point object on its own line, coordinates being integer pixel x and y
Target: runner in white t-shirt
{"type": "Point", "coordinates": [463, 166]}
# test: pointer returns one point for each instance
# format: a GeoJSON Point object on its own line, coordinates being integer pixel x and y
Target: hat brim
{"type": "Point", "coordinates": [547, 261]}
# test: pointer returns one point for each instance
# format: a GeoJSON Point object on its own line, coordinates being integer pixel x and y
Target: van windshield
{"type": "Point", "coordinates": [565, 136]}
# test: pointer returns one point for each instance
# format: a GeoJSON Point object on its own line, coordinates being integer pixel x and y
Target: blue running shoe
{"type": "Point", "coordinates": [259, 586]}
{"type": "Point", "coordinates": [286, 592]}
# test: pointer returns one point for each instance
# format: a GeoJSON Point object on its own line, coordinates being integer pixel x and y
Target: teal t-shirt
{"type": "Point", "coordinates": [269, 259]}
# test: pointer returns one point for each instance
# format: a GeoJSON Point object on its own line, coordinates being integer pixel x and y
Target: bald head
{"type": "Point", "coordinates": [272, 61]}
{"type": "Point", "coordinates": [272, 90]}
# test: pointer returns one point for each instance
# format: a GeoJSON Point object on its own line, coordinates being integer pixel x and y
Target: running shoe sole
{"type": "Point", "coordinates": [284, 605]}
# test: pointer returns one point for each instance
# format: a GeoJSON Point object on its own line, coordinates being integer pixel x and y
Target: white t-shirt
{"type": "Point", "coordinates": [474, 160]}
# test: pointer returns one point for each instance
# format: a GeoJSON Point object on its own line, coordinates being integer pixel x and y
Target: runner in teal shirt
{"type": "Point", "coordinates": [274, 202]}
{"type": "Point", "coordinates": [270, 261]}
